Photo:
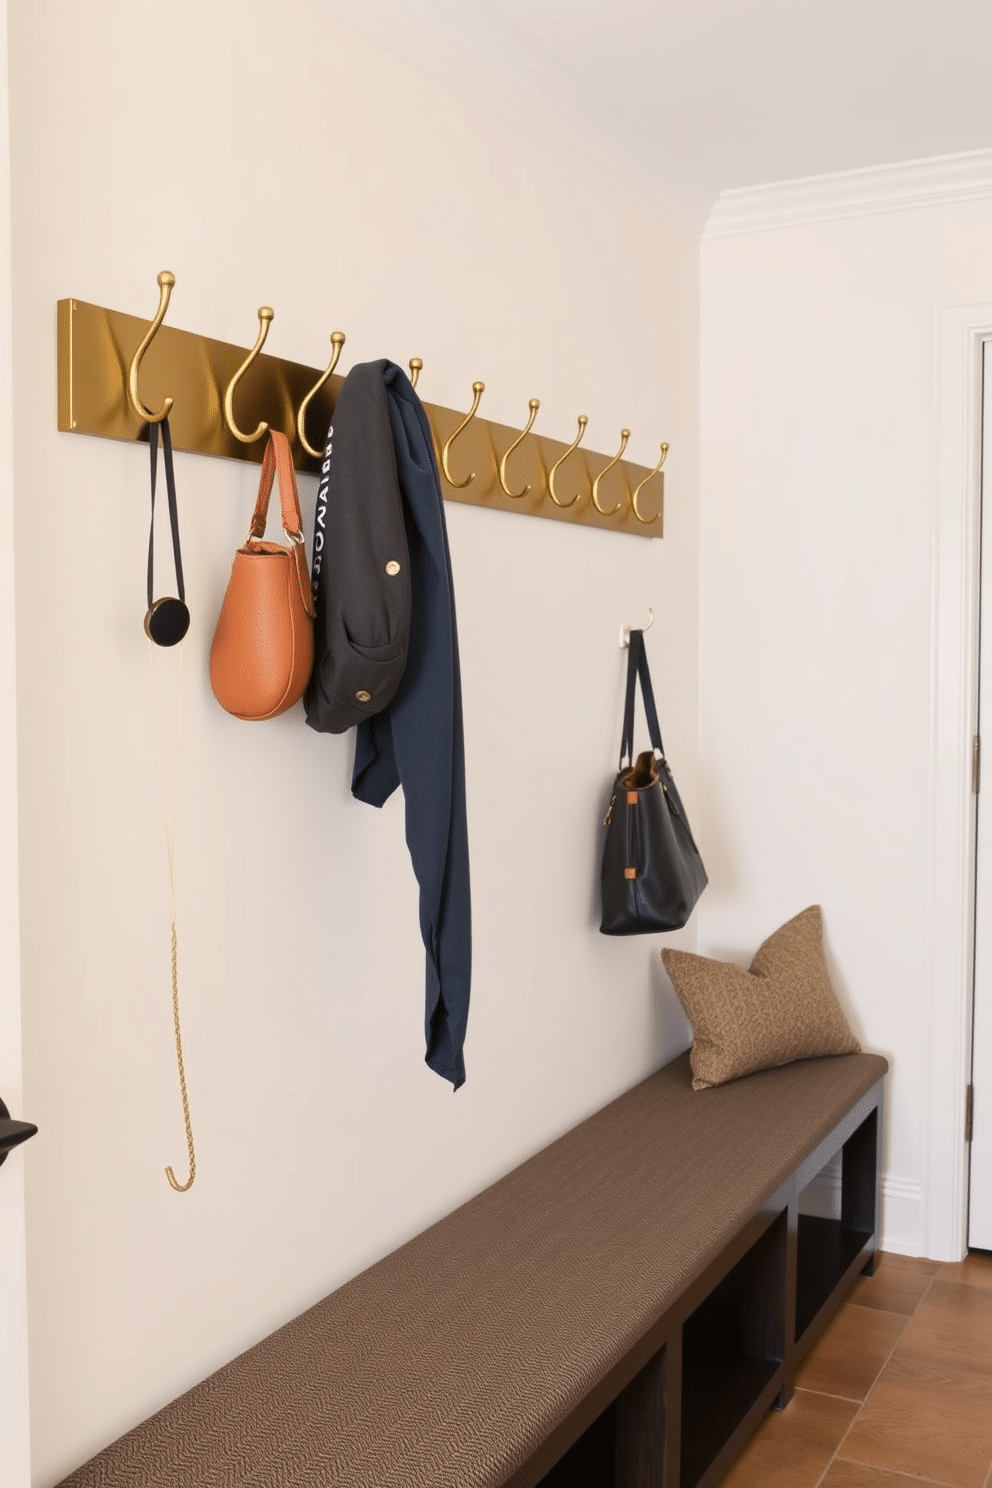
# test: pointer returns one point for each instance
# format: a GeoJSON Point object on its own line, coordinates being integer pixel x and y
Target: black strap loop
{"type": "Point", "coordinates": [637, 667]}
{"type": "Point", "coordinates": [170, 483]}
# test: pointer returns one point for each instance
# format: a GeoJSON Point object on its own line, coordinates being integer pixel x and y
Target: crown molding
{"type": "Point", "coordinates": [857, 193]}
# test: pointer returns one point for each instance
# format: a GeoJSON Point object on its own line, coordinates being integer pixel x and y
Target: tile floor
{"type": "Point", "coordinates": [897, 1391]}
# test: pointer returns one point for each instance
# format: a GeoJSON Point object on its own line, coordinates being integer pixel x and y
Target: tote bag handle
{"type": "Point", "coordinates": [637, 667]}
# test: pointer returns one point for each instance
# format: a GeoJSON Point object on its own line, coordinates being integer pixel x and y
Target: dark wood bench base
{"type": "Point", "coordinates": [728, 1351]}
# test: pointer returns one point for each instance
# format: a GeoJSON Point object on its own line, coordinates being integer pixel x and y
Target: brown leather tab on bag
{"type": "Point", "coordinates": [630, 873]}
{"type": "Point", "coordinates": [631, 798]}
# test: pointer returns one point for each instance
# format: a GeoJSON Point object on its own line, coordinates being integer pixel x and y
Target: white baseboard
{"type": "Point", "coordinates": [902, 1217]}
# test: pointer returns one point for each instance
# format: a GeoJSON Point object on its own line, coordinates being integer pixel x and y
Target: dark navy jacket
{"type": "Point", "coordinates": [417, 739]}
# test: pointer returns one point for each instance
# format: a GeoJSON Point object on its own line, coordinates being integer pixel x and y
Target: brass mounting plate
{"type": "Point", "coordinates": [95, 347]}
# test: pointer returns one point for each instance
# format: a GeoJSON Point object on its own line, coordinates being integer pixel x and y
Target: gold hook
{"type": "Point", "coordinates": [646, 521]}
{"type": "Point", "coordinates": [266, 315]}
{"type": "Point", "coordinates": [533, 405]}
{"type": "Point", "coordinates": [165, 283]}
{"type": "Point", "coordinates": [552, 472]}
{"type": "Point", "coordinates": [416, 366]}
{"type": "Point", "coordinates": [478, 388]}
{"type": "Point", "coordinates": [337, 341]}
{"type": "Point", "coordinates": [624, 436]}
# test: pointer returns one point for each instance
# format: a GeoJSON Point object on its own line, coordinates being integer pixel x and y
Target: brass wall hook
{"type": "Point", "coordinates": [558, 464]}
{"type": "Point", "coordinates": [624, 436]}
{"type": "Point", "coordinates": [478, 388]}
{"type": "Point", "coordinates": [646, 521]}
{"type": "Point", "coordinates": [533, 405]}
{"type": "Point", "coordinates": [266, 315]}
{"type": "Point", "coordinates": [337, 341]}
{"type": "Point", "coordinates": [166, 280]}
{"type": "Point", "coordinates": [416, 367]}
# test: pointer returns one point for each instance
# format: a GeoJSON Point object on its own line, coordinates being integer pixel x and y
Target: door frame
{"type": "Point", "coordinates": [982, 1132]}
{"type": "Point", "coordinates": [959, 333]}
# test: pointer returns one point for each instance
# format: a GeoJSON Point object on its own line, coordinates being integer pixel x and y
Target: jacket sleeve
{"type": "Point", "coordinates": [419, 741]}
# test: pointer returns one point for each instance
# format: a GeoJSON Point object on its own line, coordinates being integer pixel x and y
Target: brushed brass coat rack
{"type": "Point", "coordinates": [117, 373]}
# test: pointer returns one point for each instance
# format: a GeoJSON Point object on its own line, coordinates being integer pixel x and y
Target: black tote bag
{"type": "Point", "coordinates": [652, 873]}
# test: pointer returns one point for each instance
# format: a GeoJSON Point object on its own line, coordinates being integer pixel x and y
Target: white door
{"type": "Point", "coordinates": [14, 1440]}
{"type": "Point", "coordinates": [980, 1194]}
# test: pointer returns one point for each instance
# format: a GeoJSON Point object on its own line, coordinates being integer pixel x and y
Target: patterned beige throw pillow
{"type": "Point", "coordinates": [782, 1009]}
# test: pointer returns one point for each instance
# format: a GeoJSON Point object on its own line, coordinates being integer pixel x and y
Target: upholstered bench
{"type": "Point", "coordinates": [621, 1308]}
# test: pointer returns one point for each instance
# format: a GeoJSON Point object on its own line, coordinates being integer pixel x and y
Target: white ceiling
{"type": "Point", "coordinates": [701, 96]}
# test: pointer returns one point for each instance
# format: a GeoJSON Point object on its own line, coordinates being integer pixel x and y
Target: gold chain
{"type": "Point", "coordinates": [181, 1187]}
{"type": "Point", "coordinates": [170, 851]}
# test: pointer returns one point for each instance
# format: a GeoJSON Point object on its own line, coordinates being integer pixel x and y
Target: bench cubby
{"type": "Point", "coordinates": [829, 1247]}
{"type": "Point", "coordinates": [733, 1345]}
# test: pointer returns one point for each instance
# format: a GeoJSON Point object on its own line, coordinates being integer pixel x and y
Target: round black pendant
{"type": "Point", "coordinates": [167, 622]}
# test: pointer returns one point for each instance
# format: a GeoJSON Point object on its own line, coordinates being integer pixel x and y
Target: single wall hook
{"type": "Point", "coordinates": [416, 367]}
{"type": "Point", "coordinates": [560, 462]}
{"type": "Point", "coordinates": [478, 388]}
{"type": "Point", "coordinates": [626, 629]}
{"type": "Point", "coordinates": [646, 521]}
{"type": "Point", "coordinates": [533, 405]}
{"type": "Point", "coordinates": [166, 280]}
{"type": "Point", "coordinates": [337, 341]}
{"type": "Point", "coordinates": [266, 315]}
{"type": "Point", "coordinates": [624, 436]}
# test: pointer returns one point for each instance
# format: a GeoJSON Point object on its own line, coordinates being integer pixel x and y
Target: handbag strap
{"type": "Point", "coordinates": [278, 461]}
{"type": "Point", "coordinates": [637, 668]}
{"type": "Point", "coordinates": [170, 486]}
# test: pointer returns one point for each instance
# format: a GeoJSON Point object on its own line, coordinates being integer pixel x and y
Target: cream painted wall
{"type": "Point", "coordinates": [266, 153]}
{"type": "Point", "coordinates": [15, 1441]}
{"type": "Point", "coordinates": [819, 518]}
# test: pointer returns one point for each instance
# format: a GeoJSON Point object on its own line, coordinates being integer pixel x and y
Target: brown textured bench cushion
{"type": "Point", "coordinates": [452, 1359]}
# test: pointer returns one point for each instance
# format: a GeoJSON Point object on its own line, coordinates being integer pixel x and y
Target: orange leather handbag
{"type": "Point", "coordinates": [262, 652]}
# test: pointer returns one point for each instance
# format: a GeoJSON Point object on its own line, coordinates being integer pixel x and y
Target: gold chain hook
{"type": "Point", "coordinates": [624, 436]}
{"type": "Point", "coordinates": [583, 421]}
{"type": "Point", "coordinates": [533, 405]}
{"type": "Point", "coordinates": [646, 521]}
{"type": "Point", "coordinates": [337, 341]}
{"type": "Point", "coordinates": [165, 282]}
{"type": "Point", "coordinates": [478, 388]}
{"type": "Point", "coordinates": [266, 315]}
